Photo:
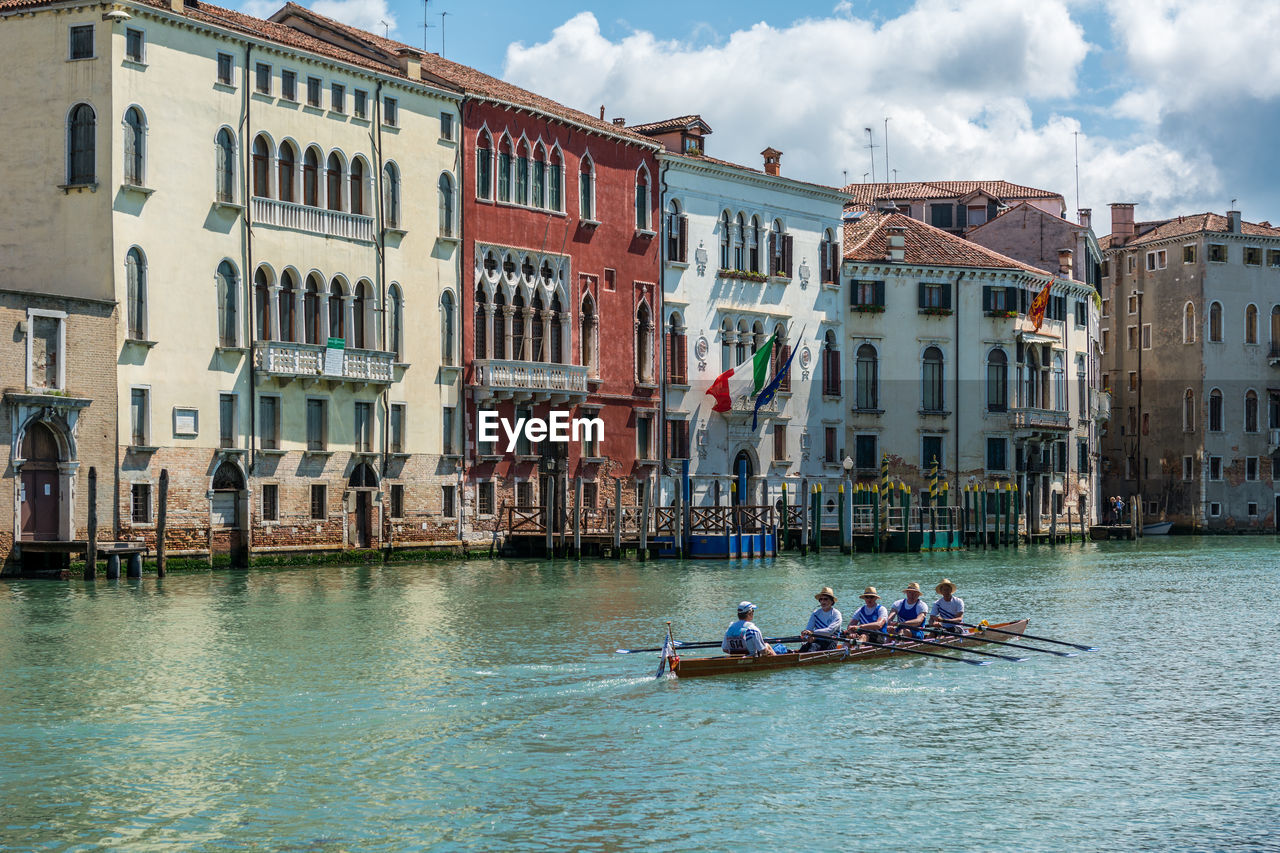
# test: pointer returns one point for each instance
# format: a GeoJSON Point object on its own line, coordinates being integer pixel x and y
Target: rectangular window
{"type": "Point", "coordinates": [1146, 336]}
{"type": "Point", "coordinates": [1106, 308]}
{"type": "Point", "coordinates": [447, 495]}
{"type": "Point", "coordinates": [446, 428]}
{"type": "Point", "coordinates": [997, 454]}
{"type": "Point", "coordinates": [270, 502]}
{"type": "Point", "coordinates": [523, 445]}
{"type": "Point", "coordinates": [46, 343]}
{"type": "Point", "coordinates": [1104, 343]}
{"type": "Point", "coordinates": [864, 452]}
{"type": "Point", "coordinates": [934, 295]}
{"type": "Point", "coordinates": [317, 425]}
{"type": "Point", "coordinates": [140, 503]}
{"type": "Point", "coordinates": [590, 444]}
{"type": "Point", "coordinates": [610, 279]}
{"type": "Point", "coordinates": [931, 449]}
{"type": "Point", "coordinates": [313, 91]}
{"type": "Point", "coordinates": [678, 439]}
{"type": "Point", "coordinates": [135, 44]}
{"type": "Point", "coordinates": [1133, 380]}
{"type": "Point", "coordinates": [337, 97]}
{"type": "Point", "coordinates": [81, 46]}
{"type": "Point", "coordinates": [289, 85]}
{"type": "Point", "coordinates": [398, 411]}
{"type": "Point", "coordinates": [363, 427]}
{"type": "Point", "coordinates": [1215, 467]}
{"type": "Point", "coordinates": [590, 495]}
{"type": "Point", "coordinates": [1252, 256]}
{"type": "Point", "coordinates": [1187, 469]}
{"type": "Point", "coordinates": [644, 439]}
{"type": "Point", "coordinates": [941, 215]}
{"type": "Point", "coordinates": [779, 442]}
{"type": "Point", "coordinates": [1082, 313]}
{"type": "Point", "coordinates": [360, 103]}
{"type": "Point", "coordinates": [1133, 303]}
{"type": "Point", "coordinates": [269, 422]}
{"type": "Point", "coordinates": [446, 126]}
{"type": "Point", "coordinates": [1252, 509]}
{"type": "Point", "coordinates": [1251, 468]}
{"type": "Point", "coordinates": [140, 417]}
{"type": "Point", "coordinates": [866, 294]}
{"type": "Point", "coordinates": [397, 500]}
{"type": "Point", "coordinates": [319, 502]}
{"type": "Point", "coordinates": [1082, 457]}
{"type": "Point", "coordinates": [262, 78]}
{"type": "Point", "coordinates": [524, 494]}
{"type": "Point", "coordinates": [1273, 257]}
{"type": "Point", "coordinates": [1132, 263]}
{"type": "Point", "coordinates": [1217, 253]}
{"type": "Point", "coordinates": [390, 112]}
{"type": "Point", "coordinates": [1157, 260]}
{"type": "Point", "coordinates": [1215, 509]}
{"type": "Point", "coordinates": [226, 68]}
{"type": "Point", "coordinates": [227, 420]}
{"type": "Point", "coordinates": [830, 453]}
{"type": "Point", "coordinates": [1106, 269]}
{"type": "Point", "coordinates": [1188, 254]}
{"type": "Point", "coordinates": [1133, 337]}
{"type": "Point", "coordinates": [484, 498]}
{"type": "Point", "coordinates": [1060, 457]}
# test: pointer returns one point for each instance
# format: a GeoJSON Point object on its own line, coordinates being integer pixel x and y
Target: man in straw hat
{"type": "Point", "coordinates": [743, 637]}
{"type": "Point", "coordinates": [871, 616]}
{"type": "Point", "coordinates": [909, 613]}
{"type": "Point", "coordinates": [948, 610]}
{"type": "Point", "coordinates": [824, 623]}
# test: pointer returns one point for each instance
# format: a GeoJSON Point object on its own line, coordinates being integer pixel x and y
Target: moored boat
{"type": "Point", "coordinates": [724, 664]}
{"type": "Point", "coordinates": [1159, 528]}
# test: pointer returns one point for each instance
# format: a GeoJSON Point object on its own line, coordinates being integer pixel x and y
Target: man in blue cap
{"type": "Point", "coordinates": [743, 637]}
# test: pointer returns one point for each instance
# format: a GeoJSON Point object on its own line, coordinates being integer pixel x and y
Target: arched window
{"type": "Point", "coordinates": [1189, 324]}
{"type": "Point", "coordinates": [262, 305]}
{"type": "Point", "coordinates": [288, 306]}
{"type": "Point", "coordinates": [484, 166]}
{"type": "Point", "coordinates": [1031, 392]}
{"type": "Point", "coordinates": [261, 167]}
{"type": "Point", "coordinates": [135, 273]}
{"type": "Point", "coordinates": [360, 325]}
{"type": "Point", "coordinates": [588, 337]}
{"type": "Point", "coordinates": [997, 381]}
{"type": "Point", "coordinates": [539, 181]}
{"type": "Point", "coordinates": [644, 344]}
{"type": "Point", "coordinates": [1251, 324]}
{"type": "Point", "coordinates": [557, 331]}
{"type": "Point", "coordinates": [287, 170]}
{"type": "Point", "coordinates": [677, 233]}
{"type": "Point", "coordinates": [1189, 411]}
{"type": "Point", "coordinates": [744, 339]}
{"type": "Point", "coordinates": [782, 355]}
{"type": "Point", "coordinates": [391, 195]}
{"type": "Point", "coordinates": [677, 351]}
{"type": "Point", "coordinates": [1059, 383]}
{"type": "Point", "coordinates": [481, 324]}
{"type": "Point", "coordinates": [754, 254]}
{"type": "Point", "coordinates": [396, 326]}
{"type": "Point", "coordinates": [517, 325]}
{"type": "Point", "coordinates": [726, 342]}
{"type": "Point", "coordinates": [555, 181]}
{"type": "Point", "coordinates": [779, 250]}
{"type": "Point", "coordinates": [356, 182]}
{"type": "Point", "coordinates": [337, 310]}
{"type": "Point", "coordinates": [868, 379]}
{"type": "Point", "coordinates": [932, 381]}
{"type": "Point", "coordinates": [447, 327]}
{"type": "Point", "coordinates": [446, 204]}
{"type": "Point", "coordinates": [829, 258]}
{"type": "Point", "coordinates": [725, 240]}
{"type": "Point", "coordinates": [830, 365]}
{"type": "Point", "coordinates": [333, 182]}
{"type": "Point", "coordinates": [1215, 322]}
{"type": "Point", "coordinates": [1275, 331]}
{"type": "Point", "coordinates": [500, 324]}
{"type": "Point", "coordinates": [1215, 410]}
{"type": "Point", "coordinates": [311, 177]}
{"type": "Point", "coordinates": [311, 317]}
{"type": "Point", "coordinates": [135, 147]}
{"type": "Point", "coordinates": [81, 145]}
{"type": "Point", "coordinates": [757, 336]}
{"type": "Point", "coordinates": [642, 199]}
{"type": "Point", "coordinates": [536, 333]}
{"type": "Point", "coordinates": [587, 189]}
{"type": "Point", "coordinates": [504, 169]}
{"type": "Point", "coordinates": [739, 244]}
{"type": "Point", "coordinates": [1251, 411]}
{"type": "Point", "coordinates": [522, 173]}
{"type": "Point", "coordinates": [228, 304]}
{"type": "Point", "coordinates": [225, 159]}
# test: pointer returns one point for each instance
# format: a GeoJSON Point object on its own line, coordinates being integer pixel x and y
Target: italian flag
{"type": "Point", "coordinates": [747, 379]}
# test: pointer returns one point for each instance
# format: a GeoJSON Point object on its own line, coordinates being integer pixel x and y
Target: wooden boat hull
{"type": "Point", "coordinates": [725, 664]}
{"type": "Point", "coordinates": [1159, 528]}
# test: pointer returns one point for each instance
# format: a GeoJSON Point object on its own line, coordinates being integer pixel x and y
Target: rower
{"type": "Point", "coordinates": [948, 610]}
{"type": "Point", "coordinates": [824, 624]}
{"type": "Point", "coordinates": [871, 616]}
{"type": "Point", "coordinates": [909, 613]}
{"type": "Point", "coordinates": [743, 637]}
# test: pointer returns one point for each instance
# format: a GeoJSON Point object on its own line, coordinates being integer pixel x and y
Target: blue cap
{"type": "Point", "coordinates": [745, 607]}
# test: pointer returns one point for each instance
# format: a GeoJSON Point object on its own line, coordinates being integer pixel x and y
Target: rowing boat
{"type": "Point", "coordinates": [724, 664]}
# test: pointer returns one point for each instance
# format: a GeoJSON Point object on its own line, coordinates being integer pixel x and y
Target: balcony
{"type": "Point", "coordinates": [287, 361]}
{"type": "Point", "coordinates": [1273, 442]}
{"type": "Point", "coordinates": [313, 220]}
{"type": "Point", "coordinates": [1026, 417]}
{"type": "Point", "coordinates": [1273, 356]}
{"type": "Point", "coordinates": [535, 381]}
{"type": "Point", "coordinates": [1100, 404]}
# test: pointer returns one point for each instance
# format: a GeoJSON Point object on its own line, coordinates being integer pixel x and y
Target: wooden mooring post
{"type": "Point", "coordinates": [91, 547]}
{"type": "Point", "coordinates": [617, 519]}
{"type": "Point", "coordinates": [162, 517]}
{"type": "Point", "coordinates": [644, 520]}
{"type": "Point", "coordinates": [549, 519]}
{"type": "Point", "coordinates": [577, 518]}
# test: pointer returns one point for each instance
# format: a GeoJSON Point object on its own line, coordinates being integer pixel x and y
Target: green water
{"type": "Point", "coordinates": [480, 706]}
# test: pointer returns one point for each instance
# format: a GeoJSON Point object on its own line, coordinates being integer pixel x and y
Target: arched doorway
{"type": "Point", "coordinates": [363, 481]}
{"type": "Point", "coordinates": [41, 484]}
{"type": "Point", "coordinates": [226, 513]}
{"type": "Point", "coordinates": [742, 492]}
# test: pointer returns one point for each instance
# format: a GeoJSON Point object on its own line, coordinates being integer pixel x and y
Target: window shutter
{"type": "Point", "coordinates": [880, 293]}
{"type": "Point", "coordinates": [946, 294]}
{"type": "Point", "coordinates": [684, 237]}
{"type": "Point", "coordinates": [992, 210]}
{"type": "Point", "coordinates": [1011, 298]}
{"type": "Point", "coordinates": [986, 299]}
{"type": "Point", "coordinates": [786, 253]}
{"type": "Point", "coordinates": [773, 252]}
{"type": "Point", "coordinates": [921, 298]}
{"type": "Point", "coordinates": [962, 216]}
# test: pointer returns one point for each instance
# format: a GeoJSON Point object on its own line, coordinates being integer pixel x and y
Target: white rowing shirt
{"type": "Point", "coordinates": [742, 638]}
{"type": "Point", "coordinates": [824, 624]}
{"type": "Point", "coordinates": [953, 609]}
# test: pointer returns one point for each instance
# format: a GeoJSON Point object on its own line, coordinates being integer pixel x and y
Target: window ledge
{"type": "Point", "coordinates": [80, 58]}
{"type": "Point", "coordinates": [779, 279]}
{"type": "Point", "coordinates": [324, 453]}
{"type": "Point", "coordinates": [528, 457]}
{"type": "Point", "coordinates": [231, 451]}
{"type": "Point", "coordinates": [337, 114]}
{"type": "Point", "coordinates": [679, 386]}
{"type": "Point", "coordinates": [593, 459]}
{"type": "Point", "coordinates": [399, 454]}
{"type": "Point", "coordinates": [934, 413]}
{"type": "Point", "coordinates": [396, 231]}
{"type": "Point", "coordinates": [455, 369]}
{"type": "Point", "coordinates": [229, 205]}
{"type": "Point", "coordinates": [67, 188]}
{"type": "Point", "coordinates": [314, 109]}
{"type": "Point", "coordinates": [393, 128]}
{"type": "Point", "coordinates": [140, 342]}
{"type": "Point", "coordinates": [136, 64]}
{"type": "Point", "coordinates": [224, 87]}
{"type": "Point", "coordinates": [448, 238]}
{"type": "Point", "coordinates": [231, 350]}
{"type": "Point", "coordinates": [646, 386]}
{"type": "Point", "coordinates": [831, 285]}
{"type": "Point", "coordinates": [444, 140]}
{"type": "Point", "coordinates": [272, 451]}
{"type": "Point", "coordinates": [143, 448]}
{"type": "Point", "coordinates": [867, 309]}
{"type": "Point", "coordinates": [645, 233]}
{"type": "Point", "coordinates": [450, 455]}
{"type": "Point", "coordinates": [936, 312]}
{"type": "Point", "coordinates": [489, 457]}
{"type": "Point", "coordinates": [588, 223]}
{"type": "Point", "coordinates": [682, 265]}
{"type": "Point", "coordinates": [647, 462]}
{"type": "Point", "coordinates": [781, 463]}
{"type": "Point", "coordinates": [831, 398]}
{"type": "Point", "coordinates": [868, 411]}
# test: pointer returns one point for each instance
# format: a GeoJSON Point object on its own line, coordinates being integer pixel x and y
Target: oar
{"type": "Point", "coordinates": [954, 646]}
{"type": "Point", "coordinates": [933, 655]}
{"type": "Point", "coordinates": [709, 644]}
{"type": "Point", "coordinates": [1032, 637]}
{"type": "Point", "coordinates": [1011, 645]}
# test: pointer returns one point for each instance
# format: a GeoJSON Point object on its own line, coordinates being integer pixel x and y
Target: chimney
{"type": "Point", "coordinates": [408, 59]}
{"type": "Point", "coordinates": [1086, 217]}
{"type": "Point", "coordinates": [178, 6]}
{"type": "Point", "coordinates": [772, 161]}
{"type": "Point", "coordinates": [602, 112]}
{"type": "Point", "coordinates": [1121, 222]}
{"type": "Point", "coordinates": [897, 243]}
{"type": "Point", "coordinates": [619, 121]}
{"type": "Point", "coordinates": [1233, 221]}
{"type": "Point", "coordinates": [1065, 263]}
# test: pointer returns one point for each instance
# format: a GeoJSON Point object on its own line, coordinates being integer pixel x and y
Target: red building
{"type": "Point", "coordinates": [560, 221]}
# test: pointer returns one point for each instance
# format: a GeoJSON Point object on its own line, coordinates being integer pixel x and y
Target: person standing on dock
{"type": "Point", "coordinates": [909, 613]}
{"type": "Point", "coordinates": [948, 610]}
{"type": "Point", "coordinates": [743, 637]}
{"type": "Point", "coordinates": [824, 624]}
{"type": "Point", "coordinates": [871, 616]}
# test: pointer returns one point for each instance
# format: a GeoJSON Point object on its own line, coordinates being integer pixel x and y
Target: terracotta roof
{"type": "Point", "coordinates": [866, 239]}
{"type": "Point", "coordinates": [678, 123]}
{"type": "Point", "coordinates": [1163, 229]}
{"type": "Point", "coordinates": [1028, 208]}
{"type": "Point", "coordinates": [703, 158]}
{"type": "Point", "coordinates": [868, 194]}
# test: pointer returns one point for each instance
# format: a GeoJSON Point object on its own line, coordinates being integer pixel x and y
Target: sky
{"type": "Point", "coordinates": [1171, 104]}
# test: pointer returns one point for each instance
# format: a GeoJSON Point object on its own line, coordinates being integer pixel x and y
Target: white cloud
{"type": "Point", "coordinates": [368, 15]}
{"type": "Point", "coordinates": [961, 81]}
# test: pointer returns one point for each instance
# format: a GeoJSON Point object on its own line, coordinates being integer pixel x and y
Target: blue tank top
{"type": "Point", "coordinates": [907, 612]}
{"type": "Point", "coordinates": [866, 616]}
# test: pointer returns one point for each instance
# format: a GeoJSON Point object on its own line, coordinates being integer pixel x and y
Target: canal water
{"type": "Point", "coordinates": [481, 706]}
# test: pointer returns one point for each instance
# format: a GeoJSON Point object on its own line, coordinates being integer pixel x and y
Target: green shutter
{"type": "Point", "coordinates": [962, 216]}
{"type": "Point", "coordinates": [922, 298]}
{"type": "Point", "coordinates": [1011, 298]}
{"type": "Point", "coordinates": [946, 294]}
{"type": "Point", "coordinates": [880, 293]}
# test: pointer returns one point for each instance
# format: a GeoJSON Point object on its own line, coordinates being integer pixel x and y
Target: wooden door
{"type": "Point", "coordinates": [40, 505]}
{"type": "Point", "coordinates": [364, 520]}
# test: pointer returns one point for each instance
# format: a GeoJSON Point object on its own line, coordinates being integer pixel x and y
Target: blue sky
{"type": "Point", "coordinates": [1176, 102]}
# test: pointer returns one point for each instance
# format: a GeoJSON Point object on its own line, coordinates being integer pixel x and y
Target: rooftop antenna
{"type": "Point", "coordinates": [1076, 134]}
{"type": "Point", "coordinates": [895, 176]}
{"type": "Point", "coordinates": [386, 29]}
{"type": "Point", "coordinates": [886, 147]}
{"type": "Point", "coordinates": [1233, 204]}
{"type": "Point", "coordinates": [871, 146]}
{"type": "Point", "coordinates": [426, 24]}
{"type": "Point", "coordinates": [864, 176]}
{"type": "Point", "coordinates": [442, 14]}
{"type": "Point", "coordinates": [845, 172]}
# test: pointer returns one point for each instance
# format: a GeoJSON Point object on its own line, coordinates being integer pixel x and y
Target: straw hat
{"type": "Point", "coordinates": [945, 587]}
{"type": "Point", "coordinates": [913, 587]}
{"type": "Point", "coordinates": [826, 590]}
{"type": "Point", "coordinates": [869, 592]}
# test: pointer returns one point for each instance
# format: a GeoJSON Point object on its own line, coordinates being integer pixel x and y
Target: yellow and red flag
{"type": "Point", "coordinates": [1041, 302]}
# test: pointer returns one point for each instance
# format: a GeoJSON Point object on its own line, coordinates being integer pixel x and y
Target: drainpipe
{"type": "Point", "coordinates": [459, 503]}
{"type": "Point", "coordinates": [246, 277]}
{"type": "Point", "coordinates": [956, 413]}
{"type": "Point", "coordinates": [380, 259]}
{"type": "Point", "coordinates": [660, 310]}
